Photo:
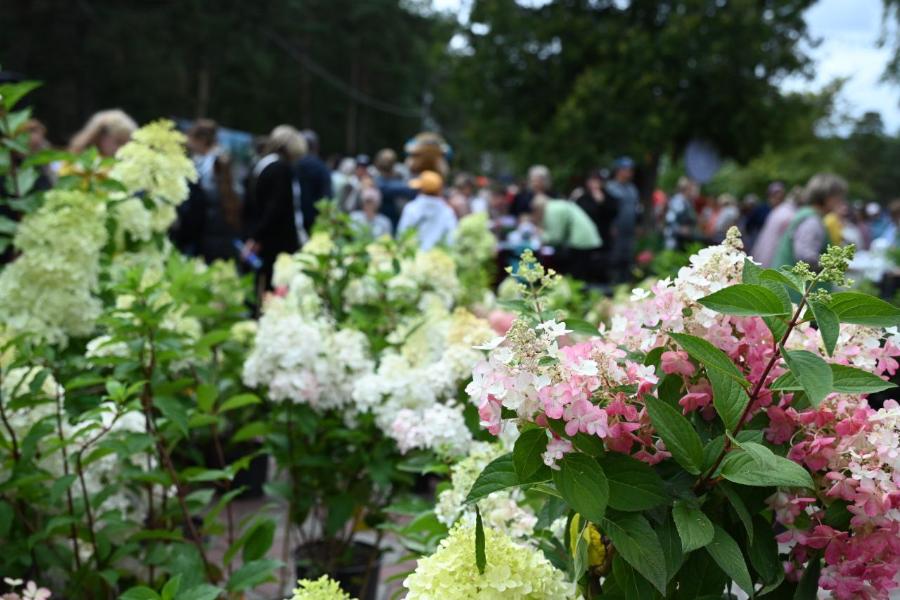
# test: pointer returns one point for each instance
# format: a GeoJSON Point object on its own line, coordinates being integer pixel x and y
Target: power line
{"type": "Point", "coordinates": [355, 94]}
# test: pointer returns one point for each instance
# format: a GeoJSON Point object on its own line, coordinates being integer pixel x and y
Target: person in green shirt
{"type": "Point", "coordinates": [566, 227]}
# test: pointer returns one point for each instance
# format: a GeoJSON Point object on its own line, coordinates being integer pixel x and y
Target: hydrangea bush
{"type": "Point", "coordinates": [119, 360]}
{"type": "Point", "coordinates": [716, 434]}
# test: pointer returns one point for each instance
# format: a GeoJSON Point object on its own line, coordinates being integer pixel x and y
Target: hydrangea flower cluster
{"type": "Point", "coordinates": [154, 163]}
{"type": "Point", "coordinates": [323, 588]}
{"type": "Point", "coordinates": [513, 571]}
{"type": "Point", "coordinates": [854, 452]}
{"type": "Point", "coordinates": [305, 360]}
{"type": "Point", "coordinates": [595, 387]}
{"type": "Point", "coordinates": [413, 391]}
{"type": "Point", "coordinates": [504, 510]}
{"type": "Point", "coordinates": [527, 372]}
{"type": "Point", "coordinates": [49, 292]}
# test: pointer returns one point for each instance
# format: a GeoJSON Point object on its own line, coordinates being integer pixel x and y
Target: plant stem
{"type": "Point", "coordinates": [757, 389]}
{"type": "Point", "coordinates": [12, 433]}
{"type": "Point", "coordinates": [71, 506]}
{"type": "Point", "coordinates": [229, 512]}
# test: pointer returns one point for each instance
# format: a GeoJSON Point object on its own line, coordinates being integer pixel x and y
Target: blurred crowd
{"type": "Point", "coordinates": [594, 230]}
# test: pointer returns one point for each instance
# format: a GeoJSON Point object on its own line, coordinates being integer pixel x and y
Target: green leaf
{"type": "Point", "coordinates": [739, 507]}
{"type": "Point", "coordinates": [589, 444]}
{"type": "Point", "coordinates": [583, 485]}
{"type": "Point", "coordinates": [746, 300]}
{"type": "Point", "coordinates": [528, 456]}
{"type": "Point", "coordinates": [633, 485]}
{"type": "Point", "coordinates": [727, 554]}
{"type": "Point", "coordinates": [6, 518]}
{"type": "Point", "coordinates": [812, 372]}
{"type": "Point", "coordinates": [763, 553]}
{"type": "Point", "coordinates": [863, 309]}
{"type": "Point", "coordinates": [630, 582]}
{"type": "Point", "coordinates": [171, 588]}
{"type": "Point", "coordinates": [729, 398]}
{"type": "Point", "coordinates": [11, 93]}
{"type": "Point", "coordinates": [480, 557]}
{"type": "Point", "coordinates": [750, 272]}
{"type": "Point", "coordinates": [636, 542]}
{"type": "Point", "coordinates": [784, 278]}
{"type": "Point", "coordinates": [582, 327]}
{"type": "Point", "coordinates": [670, 541]}
{"type": "Point", "coordinates": [829, 326]}
{"type": "Point", "coordinates": [259, 541]}
{"type": "Point", "coordinates": [850, 380]}
{"type": "Point", "coordinates": [251, 430]}
{"type": "Point", "coordinates": [206, 397]}
{"type": "Point", "coordinates": [239, 401]}
{"type": "Point", "coordinates": [203, 591]}
{"type": "Point", "coordinates": [679, 435]}
{"type": "Point", "coordinates": [762, 468]}
{"type": "Point", "coordinates": [252, 574]}
{"type": "Point", "coordinates": [709, 356]}
{"type": "Point", "coordinates": [500, 474]}
{"type": "Point", "coordinates": [808, 589]}
{"type": "Point", "coordinates": [694, 527]}
{"type": "Point", "coordinates": [139, 593]}
{"type": "Point", "coordinates": [174, 411]}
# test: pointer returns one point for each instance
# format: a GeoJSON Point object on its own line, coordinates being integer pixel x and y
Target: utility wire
{"type": "Point", "coordinates": [355, 94]}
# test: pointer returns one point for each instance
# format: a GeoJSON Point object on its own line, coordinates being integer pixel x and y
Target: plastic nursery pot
{"type": "Point", "coordinates": [360, 559]}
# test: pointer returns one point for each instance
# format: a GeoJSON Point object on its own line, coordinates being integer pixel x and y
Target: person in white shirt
{"type": "Point", "coordinates": [431, 216]}
{"type": "Point", "coordinates": [369, 217]}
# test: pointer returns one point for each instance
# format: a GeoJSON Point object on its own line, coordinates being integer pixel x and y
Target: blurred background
{"type": "Point", "coordinates": [774, 89]}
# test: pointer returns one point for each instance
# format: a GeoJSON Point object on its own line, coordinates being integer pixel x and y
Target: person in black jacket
{"type": "Point", "coordinates": [314, 177]}
{"type": "Point", "coordinates": [272, 215]}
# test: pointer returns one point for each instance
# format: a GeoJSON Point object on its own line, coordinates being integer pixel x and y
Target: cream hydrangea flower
{"type": "Point", "coordinates": [155, 162]}
{"type": "Point", "coordinates": [323, 588]}
{"type": "Point", "coordinates": [48, 291]}
{"type": "Point", "coordinates": [513, 571]}
{"type": "Point", "coordinates": [501, 510]}
{"type": "Point", "coordinates": [134, 219]}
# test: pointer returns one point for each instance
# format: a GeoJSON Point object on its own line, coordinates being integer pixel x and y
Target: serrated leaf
{"type": "Point", "coordinates": [679, 435]}
{"type": "Point", "coordinates": [709, 356]}
{"type": "Point", "coordinates": [828, 324]}
{"type": "Point", "coordinates": [528, 456]}
{"type": "Point", "coordinates": [812, 372]}
{"type": "Point", "coordinates": [850, 380]}
{"type": "Point", "coordinates": [729, 399]}
{"type": "Point", "coordinates": [635, 540]}
{"type": "Point", "coordinates": [744, 468]}
{"type": "Point", "coordinates": [739, 507]}
{"type": "Point", "coordinates": [727, 554]}
{"type": "Point", "coordinates": [633, 485]}
{"type": "Point", "coordinates": [694, 527]}
{"type": "Point", "coordinates": [139, 593]}
{"type": "Point", "coordinates": [583, 485]}
{"type": "Point", "coordinates": [746, 300]}
{"type": "Point", "coordinates": [863, 309]}
{"type": "Point", "coordinates": [500, 474]}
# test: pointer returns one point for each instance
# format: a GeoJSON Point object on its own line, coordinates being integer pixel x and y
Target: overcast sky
{"type": "Point", "coordinates": [849, 30]}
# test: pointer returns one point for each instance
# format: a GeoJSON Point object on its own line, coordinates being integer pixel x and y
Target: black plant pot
{"type": "Point", "coordinates": [362, 558]}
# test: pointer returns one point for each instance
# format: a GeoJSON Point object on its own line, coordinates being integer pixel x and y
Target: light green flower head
{"type": "Point", "coordinates": [323, 588]}
{"type": "Point", "coordinates": [513, 571]}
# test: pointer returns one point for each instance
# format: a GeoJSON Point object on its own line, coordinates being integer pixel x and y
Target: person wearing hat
{"type": "Point", "coordinates": [627, 198]}
{"type": "Point", "coordinates": [428, 214]}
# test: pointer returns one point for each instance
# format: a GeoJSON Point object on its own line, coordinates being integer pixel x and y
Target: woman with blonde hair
{"type": "Point", "coordinates": [107, 130]}
{"type": "Point", "coordinates": [272, 215]}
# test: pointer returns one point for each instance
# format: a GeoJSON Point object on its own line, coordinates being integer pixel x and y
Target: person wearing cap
{"type": "Point", "coordinates": [428, 214]}
{"type": "Point", "coordinates": [628, 199]}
